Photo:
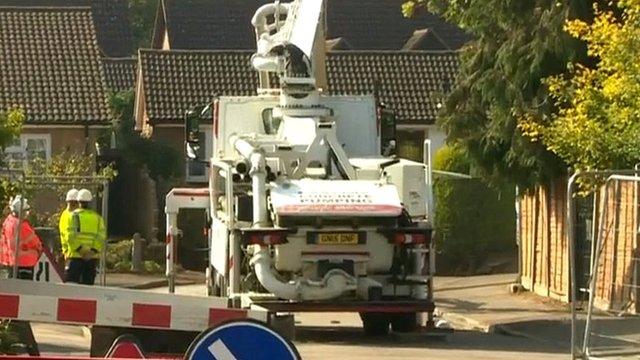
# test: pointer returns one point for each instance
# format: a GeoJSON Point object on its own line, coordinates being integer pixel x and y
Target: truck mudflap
{"type": "Point", "coordinates": [384, 306]}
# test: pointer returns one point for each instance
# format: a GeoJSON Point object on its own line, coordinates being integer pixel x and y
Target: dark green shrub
{"type": "Point", "coordinates": [473, 221]}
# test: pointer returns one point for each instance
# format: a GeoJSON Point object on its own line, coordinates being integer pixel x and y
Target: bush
{"type": "Point", "coordinates": [7, 337]}
{"type": "Point", "coordinates": [44, 181]}
{"type": "Point", "coordinates": [472, 220]}
{"type": "Point", "coordinates": [119, 259]}
{"type": "Point", "coordinates": [119, 256]}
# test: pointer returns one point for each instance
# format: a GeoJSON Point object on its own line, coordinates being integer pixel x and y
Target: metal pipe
{"type": "Point", "coordinates": [575, 352]}
{"type": "Point", "coordinates": [572, 266]}
{"type": "Point", "coordinates": [235, 275]}
{"type": "Point", "coordinates": [593, 272]}
{"type": "Point", "coordinates": [17, 239]}
{"type": "Point", "coordinates": [426, 154]}
{"type": "Point", "coordinates": [452, 174]}
{"type": "Point", "coordinates": [335, 282]}
{"type": "Point", "coordinates": [518, 235]}
{"type": "Point", "coordinates": [105, 220]}
{"type": "Point", "coordinates": [172, 232]}
{"type": "Point", "coordinates": [420, 291]}
{"type": "Point", "coordinates": [67, 177]}
{"type": "Point", "coordinates": [258, 175]}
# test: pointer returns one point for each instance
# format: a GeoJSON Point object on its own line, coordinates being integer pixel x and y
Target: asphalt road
{"type": "Point", "coordinates": [349, 343]}
{"type": "Point", "coordinates": [338, 336]}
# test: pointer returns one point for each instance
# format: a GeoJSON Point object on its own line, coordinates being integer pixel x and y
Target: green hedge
{"type": "Point", "coordinates": [473, 221]}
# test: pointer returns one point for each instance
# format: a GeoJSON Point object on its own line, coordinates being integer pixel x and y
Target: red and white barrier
{"type": "Point", "coordinates": [92, 305]}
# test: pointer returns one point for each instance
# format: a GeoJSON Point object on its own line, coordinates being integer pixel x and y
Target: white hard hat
{"type": "Point", "coordinates": [72, 195]}
{"type": "Point", "coordinates": [84, 195]}
{"type": "Point", "coordinates": [18, 203]}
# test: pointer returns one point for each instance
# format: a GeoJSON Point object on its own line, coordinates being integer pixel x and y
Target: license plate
{"type": "Point", "coordinates": [338, 239]}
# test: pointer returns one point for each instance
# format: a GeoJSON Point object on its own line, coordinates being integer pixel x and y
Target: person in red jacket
{"type": "Point", "coordinates": [30, 246]}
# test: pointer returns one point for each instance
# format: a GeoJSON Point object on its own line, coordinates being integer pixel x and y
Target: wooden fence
{"type": "Point", "coordinates": [543, 242]}
{"type": "Point", "coordinates": [544, 252]}
{"type": "Point", "coordinates": [617, 268]}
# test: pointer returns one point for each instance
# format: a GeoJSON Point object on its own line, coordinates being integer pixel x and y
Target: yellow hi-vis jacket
{"type": "Point", "coordinates": [64, 225]}
{"type": "Point", "coordinates": [86, 233]}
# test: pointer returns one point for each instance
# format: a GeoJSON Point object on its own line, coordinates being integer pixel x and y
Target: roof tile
{"type": "Point", "coordinates": [50, 65]}
{"type": "Point", "coordinates": [411, 83]}
{"type": "Point", "coordinates": [110, 17]}
{"type": "Point", "coordinates": [364, 24]}
{"type": "Point", "coordinates": [120, 73]}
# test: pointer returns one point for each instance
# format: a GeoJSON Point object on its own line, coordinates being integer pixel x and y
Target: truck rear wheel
{"type": "Point", "coordinates": [375, 324]}
{"type": "Point", "coordinates": [404, 322]}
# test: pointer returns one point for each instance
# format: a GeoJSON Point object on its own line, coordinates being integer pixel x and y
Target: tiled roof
{"type": "Point", "coordinates": [110, 17]}
{"type": "Point", "coordinates": [113, 27]}
{"type": "Point", "coordinates": [425, 39]}
{"type": "Point", "coordinates": [50, 65]}
{"type": "Point", "coordinates": [120, 73]}
{"type": "Point", "coordinates": [409, 82]}
{"type": "Point", "coordinates": [176, 80]}
{"type": "Point", "coordinates": [207, 24]}
{"type": "Point", "coordinates": [364, 24]}
{"type": "Point", "coordinates": [380, 25]}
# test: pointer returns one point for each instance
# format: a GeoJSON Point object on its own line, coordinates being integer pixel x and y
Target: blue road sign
{"type": "Point", "coordinates": [241, 340]}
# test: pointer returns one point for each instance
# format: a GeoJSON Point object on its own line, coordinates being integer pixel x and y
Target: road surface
{"type": "Point", "coordinates": [342, 342]}
{"type": "Point", "coordinates": [339, 336]}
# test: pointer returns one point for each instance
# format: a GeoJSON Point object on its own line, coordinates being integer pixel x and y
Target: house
{"type": "Point", "coordinates": [171, 82]}
{"type": "Point", "coordinates": [51, 67]}
{"type": "Point", "coordinates": [363, 24]}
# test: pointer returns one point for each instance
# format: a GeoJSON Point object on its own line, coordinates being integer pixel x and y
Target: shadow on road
{"type": "Point", "coordinates": [460, 340]}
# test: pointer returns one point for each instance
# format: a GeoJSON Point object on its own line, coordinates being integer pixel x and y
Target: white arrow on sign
{"type": "Point", "coordinates": [220, 351]}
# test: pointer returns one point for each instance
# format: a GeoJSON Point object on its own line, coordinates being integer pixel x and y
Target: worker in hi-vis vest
{"type": "Point", "coordinates": [30, 246]}
{"type": "Point", "coordinates": [87, 236]}
{"type": "Point", "coordinates": [65, 221]}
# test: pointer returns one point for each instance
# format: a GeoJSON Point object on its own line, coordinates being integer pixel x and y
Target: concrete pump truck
{"type": "Point", "coordinates": [305, 213]}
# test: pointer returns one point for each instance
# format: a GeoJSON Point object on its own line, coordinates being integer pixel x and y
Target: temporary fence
{"type": "Point", "coordinates": [59, 184]}
{"type": "Point", "coordinates": [610, 329]}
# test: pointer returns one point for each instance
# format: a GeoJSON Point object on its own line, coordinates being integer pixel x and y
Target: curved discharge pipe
{"type": "Point", "coordinates": [335, 283]}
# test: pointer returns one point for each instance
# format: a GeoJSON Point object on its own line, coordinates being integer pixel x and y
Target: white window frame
{"type": "Point", "coordinates": [207, 130]}
{"type": "Point", "coordinates": [22, 149]}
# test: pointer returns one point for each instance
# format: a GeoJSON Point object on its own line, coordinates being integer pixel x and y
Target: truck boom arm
{"type": "Point", "coordinates": [287, 47]}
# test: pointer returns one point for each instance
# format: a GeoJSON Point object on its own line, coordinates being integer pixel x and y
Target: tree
{"type": "Point", "coordinates": [161, 160]}
{"type": "Point", "coordinates": [10, 127]}
{"type": "Point", "coordinates": [143, 15]}
{"type": "Point", "coordinates": [517, 44]}
{"type": "Point", "coordinates": [598, 124]}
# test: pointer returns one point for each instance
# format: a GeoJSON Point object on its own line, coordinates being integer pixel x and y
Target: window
{"type": "Point", "coordinates": [197, 172]}
{"type": "Point", "coordinates": [410, 144]}
{"type": "Point", "coordinates": [28, 148]}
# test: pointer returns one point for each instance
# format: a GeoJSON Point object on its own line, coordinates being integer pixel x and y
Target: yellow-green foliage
{"type": "Point", "coordinates": [119, 259]}
{"type": "Point", "coordinates": [598, 124]}
{"type": "Point", "coordinates": [451, 158]}
{"type": "Point", "coordinates": [10, 126]}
